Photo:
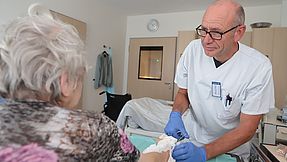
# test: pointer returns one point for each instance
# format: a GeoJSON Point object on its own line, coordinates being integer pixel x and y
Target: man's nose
{"type": "Point", "coordinates": [207, 38]}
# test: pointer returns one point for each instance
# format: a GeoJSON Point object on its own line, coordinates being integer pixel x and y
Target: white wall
{"type": "Point", "coordinates": [171, 23]}
{"type": "Point", "coordinates": [104, 26]}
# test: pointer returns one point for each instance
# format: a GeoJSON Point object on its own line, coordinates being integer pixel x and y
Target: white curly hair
{"type": "Point", "coordinates": [34, 52]}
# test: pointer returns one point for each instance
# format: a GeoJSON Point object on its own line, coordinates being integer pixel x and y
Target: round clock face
{"type": "Point", "coordinates": [153, 25]}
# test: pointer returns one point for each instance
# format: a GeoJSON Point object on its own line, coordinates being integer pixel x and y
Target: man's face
{"type": "Point", "coordinates": [218, 19]}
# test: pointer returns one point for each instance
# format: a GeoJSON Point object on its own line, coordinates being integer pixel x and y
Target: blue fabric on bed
{"type": "Point", "coordinates": [223, 158]}
{"type": "Point", "coordinates": [141, 142]}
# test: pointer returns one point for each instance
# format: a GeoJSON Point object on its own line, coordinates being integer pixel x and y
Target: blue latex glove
{"type": "Point", "coordinates": [188, 152]}
{"type": "Point", "coordinates": [175, 126]}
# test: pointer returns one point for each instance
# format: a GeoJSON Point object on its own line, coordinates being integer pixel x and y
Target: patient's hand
{"type": "Point", "coordinates": [154, 157]}
{"type": "Point", "coordinates": [159, 152]}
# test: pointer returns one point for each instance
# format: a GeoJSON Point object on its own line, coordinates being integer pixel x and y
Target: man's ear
{"type": "Point", "coordinates": [239, 33]}
{"type": "Point", "coordinates": [66, 89]}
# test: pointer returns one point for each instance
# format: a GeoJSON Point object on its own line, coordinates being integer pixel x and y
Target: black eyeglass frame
{"type": "Point", "coordinates": [208, 32]}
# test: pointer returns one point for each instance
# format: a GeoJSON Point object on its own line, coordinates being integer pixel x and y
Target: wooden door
{"type": "Point", "coordinates": [151, 67]}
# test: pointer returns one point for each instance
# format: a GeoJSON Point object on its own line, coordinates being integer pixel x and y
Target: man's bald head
{"type": "Point", "coordinates": [232, 8]}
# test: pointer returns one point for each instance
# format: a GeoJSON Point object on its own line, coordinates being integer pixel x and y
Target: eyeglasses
{"type": "Point", "coordinates": [213, 34]}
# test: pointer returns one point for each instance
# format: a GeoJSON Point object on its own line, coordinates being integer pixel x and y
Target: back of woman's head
{"type": "Point", "coordinates": [34, 52]}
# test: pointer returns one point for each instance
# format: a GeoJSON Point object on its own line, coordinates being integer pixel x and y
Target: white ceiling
{"type": "Point", "coordinates": [142, 7]}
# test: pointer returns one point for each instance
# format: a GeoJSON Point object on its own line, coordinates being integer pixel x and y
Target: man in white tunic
{"type": "Point", "coordinates": [228, 87]}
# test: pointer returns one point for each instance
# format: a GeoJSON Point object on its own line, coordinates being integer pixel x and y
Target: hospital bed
{"type": "Point", "coordinates": [145, 116]}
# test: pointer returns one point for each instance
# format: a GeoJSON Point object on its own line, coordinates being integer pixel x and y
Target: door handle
{"type": "Point", "coordinates": [169, 84]}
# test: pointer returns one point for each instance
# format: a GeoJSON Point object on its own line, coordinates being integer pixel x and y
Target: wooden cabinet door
{"type": "Point", "coordinates": [262, 40]}
{"type": "Point", "coordinates": [246, 39]}
{"type": "Point", "coordinates": [279, 63]}
{"type": "Point", "coordinates": [273, 43]}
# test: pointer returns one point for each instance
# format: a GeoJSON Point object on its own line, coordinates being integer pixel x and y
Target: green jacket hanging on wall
{"type": "Point", "coordinates": [104, 71]}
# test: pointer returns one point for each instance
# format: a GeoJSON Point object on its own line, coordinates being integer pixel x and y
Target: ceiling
{"type": "Point", "coordinates": [142, 7]}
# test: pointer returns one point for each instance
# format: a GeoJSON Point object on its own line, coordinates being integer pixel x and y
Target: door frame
{"type": "Point", "coordinates": [166, 79]}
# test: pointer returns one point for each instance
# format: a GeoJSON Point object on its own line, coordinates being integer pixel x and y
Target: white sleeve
{"type": "Point", "coordinates": [259, 96]}
{"type": "Point", "coordinates": [181, 76]}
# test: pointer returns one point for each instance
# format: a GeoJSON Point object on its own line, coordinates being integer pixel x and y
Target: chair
{"type": "Point", "coordinates": [114, 104]}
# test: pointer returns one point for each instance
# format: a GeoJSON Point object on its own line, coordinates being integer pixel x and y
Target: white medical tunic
{"type": "Point", "coordinates": [243, 84]}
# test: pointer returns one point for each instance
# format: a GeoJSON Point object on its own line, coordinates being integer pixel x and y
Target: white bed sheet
{"type": "Point", "coordinates": [148, 114]}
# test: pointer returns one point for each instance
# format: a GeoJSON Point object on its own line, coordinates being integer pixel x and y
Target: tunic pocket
{"type": "Point", "coordinates": [230, 109]}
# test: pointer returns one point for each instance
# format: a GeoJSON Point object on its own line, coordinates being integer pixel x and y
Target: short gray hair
{"type": "Point", "coordinates": [34, 52]}
{"type": "Point", "coordinates": [240, 16]}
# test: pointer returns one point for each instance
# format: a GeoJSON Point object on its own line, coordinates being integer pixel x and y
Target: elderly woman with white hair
{"type": "Point", "coordinates": [41, 76]}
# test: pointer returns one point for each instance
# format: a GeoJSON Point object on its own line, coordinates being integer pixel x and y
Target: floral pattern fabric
{"type": "Point", "coordinates": [75, 135]}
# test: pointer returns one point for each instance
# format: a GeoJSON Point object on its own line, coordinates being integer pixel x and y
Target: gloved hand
{"type": "Point", "coordinates": [175, 125]}
{"type": "Point", "coordinates": [188, 152]}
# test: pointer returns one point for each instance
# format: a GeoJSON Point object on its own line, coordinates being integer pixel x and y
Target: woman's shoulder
{"type": "Point", "coordinates": [31, 110]}
{"type": "Point", "coordinates": [20, 122]}
{"type": "Point", "coordinates": [72, 133]}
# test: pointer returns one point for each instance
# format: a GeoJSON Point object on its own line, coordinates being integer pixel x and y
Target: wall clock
{"type": "Point", "coordinates": [153, 25]}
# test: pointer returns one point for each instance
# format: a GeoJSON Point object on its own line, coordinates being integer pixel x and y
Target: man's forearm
{"type": "Point", "coordinates": [230, 140]}
{"type": "Point", "coordinates": [181, 102]}
{"type": "Point", "coordinates": [226, 143]}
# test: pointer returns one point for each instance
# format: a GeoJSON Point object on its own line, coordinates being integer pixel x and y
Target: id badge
{"type": "Point", "coordinates": [216, 89]}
